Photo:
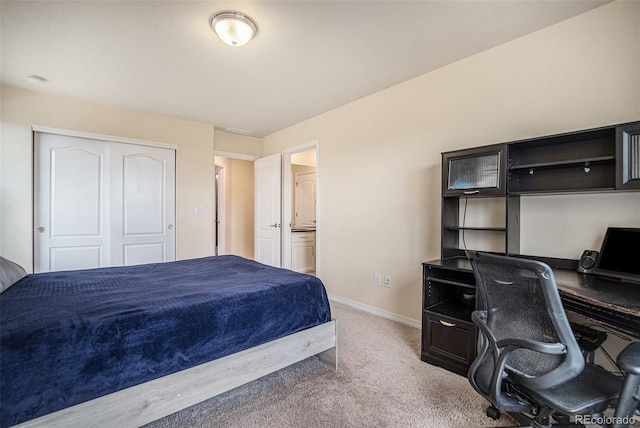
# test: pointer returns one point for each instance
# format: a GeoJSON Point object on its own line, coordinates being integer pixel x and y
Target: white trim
{"type": "Point", "coordinates": [101, 137]}
{"type": "Point", "coordinates": [221, 208]}
{"type": "Point", "coordinates": [286, 202]}
{"type": "Point", "coordinates": [375, 311]}
{"type": "Point", "coordinates": [231, 155]}
{"type": "Point", "coordinates": [302, 147]}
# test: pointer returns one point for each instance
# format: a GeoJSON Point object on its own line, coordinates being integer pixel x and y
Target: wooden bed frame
{"type": "Point", "coordinates": [144, 403]}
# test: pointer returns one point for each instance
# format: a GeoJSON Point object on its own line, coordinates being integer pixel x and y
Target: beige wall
{"type": "Point", "coordinates": [194, 164]}
{"type": "Point", "coordinates": [379, 157]}
{"type": "Point", "coordinates": [307, 157]}
{"type": "Point", "coordinates": [234, 143]}
{"type": "Point", "coordinates": [242, 208]}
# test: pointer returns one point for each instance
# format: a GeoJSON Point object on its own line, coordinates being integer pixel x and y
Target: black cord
{"type": "Point", "coordinates": [602, 348]}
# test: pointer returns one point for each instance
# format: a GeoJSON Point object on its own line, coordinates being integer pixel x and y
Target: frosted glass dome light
{"type": "Point", "coordinates": [234, 28]}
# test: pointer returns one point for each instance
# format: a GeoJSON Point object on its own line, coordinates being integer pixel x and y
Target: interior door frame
{"type": "Point", "coordinates": [220, 208]}
{"type": "Point", "coordinates": [287, 200]}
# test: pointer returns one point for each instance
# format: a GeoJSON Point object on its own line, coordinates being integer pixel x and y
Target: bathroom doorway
{"type": "Point", "coordinates": [300, 208]}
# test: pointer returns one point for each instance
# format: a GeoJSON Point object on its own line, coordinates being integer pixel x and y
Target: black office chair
{"type": "Point", "coordinates": [529, 361]}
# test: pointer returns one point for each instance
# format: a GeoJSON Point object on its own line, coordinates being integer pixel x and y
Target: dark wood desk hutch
{"type": "Point", "coordinates": [596, 160]}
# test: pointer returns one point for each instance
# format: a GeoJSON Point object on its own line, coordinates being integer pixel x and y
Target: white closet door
{"type": "Point", "coordinates": [143, 204]}
{"type": "Point", "coordinates": [101, 203]}
{"type": "Point", "coordinates": [71, 203]}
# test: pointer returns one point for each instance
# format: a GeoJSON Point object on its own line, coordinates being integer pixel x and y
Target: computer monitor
{"type": "Point", "coordinates": [620, 254]}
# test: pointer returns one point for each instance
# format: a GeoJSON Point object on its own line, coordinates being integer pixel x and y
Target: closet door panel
{"type": "Point", "coordinates": [143, 195]}
{"type": "Point", "coordinates": [71, 203]}
{"type": "Point", "coordinates": [143, 182]}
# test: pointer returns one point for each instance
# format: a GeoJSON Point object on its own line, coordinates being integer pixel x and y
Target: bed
{"type": "Point", "coordinates": [123, 346]}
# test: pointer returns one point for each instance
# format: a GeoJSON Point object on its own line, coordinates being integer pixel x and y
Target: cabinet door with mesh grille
{"type": "Point", "coordinates": [628, 157]}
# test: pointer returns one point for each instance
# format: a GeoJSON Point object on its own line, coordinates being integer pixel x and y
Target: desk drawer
{"type": "Point", "coordinates": [448, 343]}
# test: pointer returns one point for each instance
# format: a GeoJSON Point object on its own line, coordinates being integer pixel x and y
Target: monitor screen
{"type": "Point", "coordinates": [620, 254]}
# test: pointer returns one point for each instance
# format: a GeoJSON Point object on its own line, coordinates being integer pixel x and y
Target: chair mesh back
{"type": "Point", "coordinates": [516, 307]}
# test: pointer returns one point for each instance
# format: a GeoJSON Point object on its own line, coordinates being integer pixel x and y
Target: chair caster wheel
{"type": "Point", "coordinates": [493, 413]}
{"type": "Point", "coordinates": [562, 419]}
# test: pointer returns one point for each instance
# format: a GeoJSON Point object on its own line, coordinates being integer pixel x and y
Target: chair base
{"type": "Point", "coordinates": [559, 421]}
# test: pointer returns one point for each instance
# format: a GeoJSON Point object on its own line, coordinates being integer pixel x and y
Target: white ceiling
{"type": "Point", "coordinates": [309, 56]}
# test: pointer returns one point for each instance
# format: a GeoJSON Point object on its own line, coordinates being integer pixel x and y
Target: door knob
{"type": "Point", "coordinates": [170, 227]}
{"type": "Point", "coordinates": [275, 225]}
{"type": "Point", "coordinates": [41, 229]}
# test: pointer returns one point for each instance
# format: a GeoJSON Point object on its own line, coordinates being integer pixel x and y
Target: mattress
{"type": "Point", "coordinates": [68, 337]}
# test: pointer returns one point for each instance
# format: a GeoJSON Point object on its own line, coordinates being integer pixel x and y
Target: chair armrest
{"type": "Point", "coordinates": [480, 319]}
{"type": "Point", "coordinates": [629, 359]}
{"type": "Point", "coordinates": [511, 344]}
{"type": "Point", "coordinates": [546, 348]}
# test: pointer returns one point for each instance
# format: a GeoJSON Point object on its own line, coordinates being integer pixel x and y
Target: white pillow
{"type": "Point", "coordinates": [10, 273]}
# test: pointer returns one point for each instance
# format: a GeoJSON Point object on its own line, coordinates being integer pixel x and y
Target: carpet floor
{"type": "Point", "coordinates": [380, 382]}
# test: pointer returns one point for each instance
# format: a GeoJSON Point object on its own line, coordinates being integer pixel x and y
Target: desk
{"type": "Point", "coordinates": [610, 301]}
{"type": "Point", "coordinates": [449, 335]}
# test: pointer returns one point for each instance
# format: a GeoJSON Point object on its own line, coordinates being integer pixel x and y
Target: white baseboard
{"type": "Point", "coordinates": [375, 311]}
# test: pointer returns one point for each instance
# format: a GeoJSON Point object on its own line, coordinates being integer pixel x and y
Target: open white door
{"type": "Point", "coordinates": [268, 185]}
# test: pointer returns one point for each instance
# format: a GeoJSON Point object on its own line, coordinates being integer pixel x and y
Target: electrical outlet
{"type": "Point", "coordinates": [387, 281]}
{"type": "Point", "coordinates": [377, 279]}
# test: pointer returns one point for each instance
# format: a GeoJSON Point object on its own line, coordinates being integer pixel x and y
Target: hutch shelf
{"type": "Point", "coordinates": [605, 159]}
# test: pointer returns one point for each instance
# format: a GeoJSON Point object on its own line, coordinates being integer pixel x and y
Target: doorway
{"type": "Point", "coordinates": [300, 208]}
{"type": "Point", "coordinates": [229, 223]}
{"type": "Point", "coordinates": [233, 204]}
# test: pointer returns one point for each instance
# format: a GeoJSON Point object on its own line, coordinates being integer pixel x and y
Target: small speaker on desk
{"type": "Point", "coordinates": [587, 261]}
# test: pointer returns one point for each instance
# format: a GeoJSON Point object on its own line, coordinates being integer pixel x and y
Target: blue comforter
{"type": "Point", "coordinates": [68, 337]}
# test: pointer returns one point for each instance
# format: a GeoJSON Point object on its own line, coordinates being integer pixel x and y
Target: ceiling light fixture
{"type": "Point", "coordinates": [234, 28]}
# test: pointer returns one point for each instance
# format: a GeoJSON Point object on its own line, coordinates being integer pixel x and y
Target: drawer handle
{"type": "Point", "coordinates": [447, 324]}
